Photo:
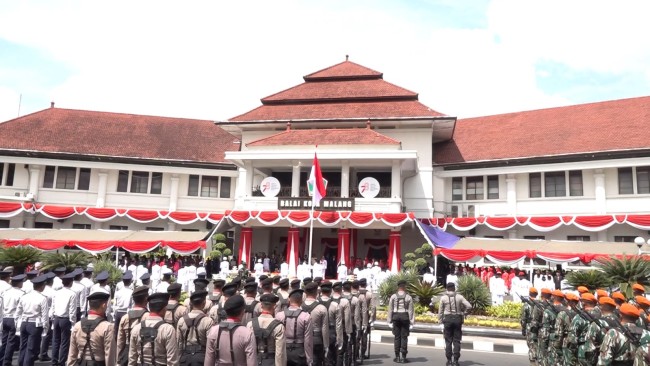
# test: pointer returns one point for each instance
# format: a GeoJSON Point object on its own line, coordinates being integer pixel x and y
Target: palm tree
{"type": "Point", "coordinates": [592, 279]}
{"type": "Point", "coordinates": [69, 260]}
{"type": "Point", "coordinates": [19, 257]}
{"type": "Point", "coordinates": [626, 271]}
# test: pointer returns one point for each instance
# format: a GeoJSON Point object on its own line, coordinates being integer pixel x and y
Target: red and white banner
{"type": "Point", "coordinates": [394, 251]}
{"type": "Point", "coordinates": [293, 247]}
{"type": "Point", "coordinates": [343, 251]}
{"type": "Point", "coordinates": [245, 246]}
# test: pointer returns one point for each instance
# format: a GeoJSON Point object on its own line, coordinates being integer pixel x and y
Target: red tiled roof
{"type": "Point", "coordinates": [346, 69]}
{"type": "Point", "coordinates": [58, 130]}
{"type": "Point", "coordinates": [346, 136]}
{"type": "Point", "coordinates": [336, 90]}
{"type": "Point", "coordinates": [595, 127]}
{"type": "Point", "coordinates": [343, 91]}
{"type": "Point", "coordinates": [286, 112]}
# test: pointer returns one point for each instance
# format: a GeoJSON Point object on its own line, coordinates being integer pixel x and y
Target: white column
{"type": "Point", "coordinates": [345, 179]}
{"type": "Point", "coordinates": [295, 179]}
{"type": "Point", "coordinates": [511, 195]}
{"type": "Point", "coordinates": [101, 188]}
{"type": "Point", "coordinates": [512, 234]}
{"type": "Point", "coordinates": [29, 220]}
{"type": "Point", "coordinates": [173, 193]}
{"type": "Point", "coordinates": [602, 235]}
{"type": "Point", "coordinates": [601, 197]}
{"type": "Point", "coordinates": [34, 179]}
{"type": "Point", "coordinates": [171, 226]}
{"type": "Point", "coordinates": [396, 180]}
{"type": "Point", "coordinates": [249, 179]}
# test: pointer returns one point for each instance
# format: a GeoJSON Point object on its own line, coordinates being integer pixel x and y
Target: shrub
{"type": "Point", "coordinates": [19, 257]}
{"type": "Point", "coordinates": [389, 286]}
{"type": "Point", "coordinates": [424, 292]}
{"type": "Point", "coordinates": [476, 292]}
{"type": "Point", "coordinates": [592, 279]}
{"type": "Point", "coordinates": [409, 264]}
{"type": "Point", "coordinates": [114, 273]}
{"type": "Point", "coordinates": [409, 256]}
{"type": "Point", "coordinates": [227, 252]}
{"type": "Point", "coordinates": [507, 310]}
{"type": "Point", "coordinates": [420, 309]}
{"type": "Point", "coordinates": [219, 238]}
{"type": "Point", "coordinates": [69, 260]}
{"type": "Point", "coordinates": [627, 271]}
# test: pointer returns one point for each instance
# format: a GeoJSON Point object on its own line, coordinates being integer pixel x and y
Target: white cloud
{"type": "Point", "coordinates": [217, 59]}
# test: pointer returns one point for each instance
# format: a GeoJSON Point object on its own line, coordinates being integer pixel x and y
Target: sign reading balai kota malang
{"type": "Point", "coordinates": [326, 204]}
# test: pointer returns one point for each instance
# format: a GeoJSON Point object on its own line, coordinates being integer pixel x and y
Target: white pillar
{"type": "Point", "coordinates": [601, 197]}
{"type": "Point", "coordinates": [249, 179]}
{"type": "Point", "coordinates": [396, 180]}
{"type": "Point", "coordinates": [29, 220]}
{"type": "Point", "coordinates": [345, 179]}
{"type": "Point", "coordinates": [173, 193]}
{"type": "Point", "coordinates": [34, 179]}
{"type": "Point", "coordinates": [101, 188]}
{"type": "Point", "coordinates": [602, 235]}
{"type": "Point", "coordinates": [171, 226]}
{"type": "Point", "coordinates": [511, 195]}
{"type": "Point", "coordinates": [295, 179]}
{"type": "Point", "coordinates": [512, 234]}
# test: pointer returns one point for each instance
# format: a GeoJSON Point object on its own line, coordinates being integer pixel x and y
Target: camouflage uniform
{"type": "Point", "coordinates": [559, 347]}
{"type": "Point", "coordinates": [577, 338]}
{"type": "Point", "coordinates": [547, 336]}
{"type": "Point", "coordinates": [617, 348]}
{"type": "Point", "coordinates": [595, 334]}
{"type": "Point", "coordinates": [534, 330]}
{"type": "Point", "coordinates": [528, 325]}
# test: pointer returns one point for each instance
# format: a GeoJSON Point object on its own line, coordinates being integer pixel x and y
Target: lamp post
{"type": "Point", "coordinates": [639, 241]}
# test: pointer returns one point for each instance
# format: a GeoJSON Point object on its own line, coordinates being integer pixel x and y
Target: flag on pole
{"type": "Point", "coordinates": [316, 183]}
{"type": "Point", "coordinates": [436, 237]}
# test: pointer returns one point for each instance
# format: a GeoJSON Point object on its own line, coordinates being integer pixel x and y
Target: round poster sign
{"type": "Point", "coordinates": [270, 187]}
{"type": "Point", "coordinates": [369, 187]}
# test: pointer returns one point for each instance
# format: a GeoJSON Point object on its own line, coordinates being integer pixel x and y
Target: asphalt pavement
{"type": "Point", "coordinates": [383, 354]}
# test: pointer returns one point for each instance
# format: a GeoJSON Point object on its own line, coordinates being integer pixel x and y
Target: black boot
{"type": "Point", "coordinates": [449, 363]}
{"type": "Point", "coordinates": [455, 363]}
{"type": "Point", "coordinates": [396, 359]}
{"type": "Point", "coordinates": [404, 360]}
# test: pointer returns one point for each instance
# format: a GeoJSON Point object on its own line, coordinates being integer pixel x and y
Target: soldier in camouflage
{"type": "Point", "coordinates": [536, 324]}
{"type": "Point", "coordinates": [562, 353]}
{"type": "Point", "coordinates": [577, 337]}
{"type": "Point", "coordinates": [547, 331]}
{"type": "Point", "coordinates": [619, 346]}
{"type": "Point", "coordinates": [643, 304]}
{"type": "Point", "coordinates": [527, 328]}
{"type": "Point", "coordinates": [596, 331]}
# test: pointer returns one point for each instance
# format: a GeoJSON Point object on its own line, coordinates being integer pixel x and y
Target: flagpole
{"type": "Point", "coordinates": [311, 232]}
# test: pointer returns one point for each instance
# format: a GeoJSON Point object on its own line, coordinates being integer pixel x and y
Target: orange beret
{"type": "Point", "coordinates": [606, 301]}
{"type": "Point", "coordinates": [641, 300]}
{"type": "Point", "coordinates": [638, 287]}
{"type": "Point", "coordinates": [630, 310]}
{"type": "Point", "coordinates": [588, 297]}
{"type": "Point", "coordinates": [532, 290]}
{"type": "Point", "coordinates": [582, 289]}
{"type": "Point", "coordinates": [546, 291]}
{"type": "Point", "coordinates": [619, 296]}
{"type": "Point", "coordinates": [572, 297]}
{"type": "Point", "coordinates": [557, 293]}
{"type": "Point", "coordinates": [602, 293]}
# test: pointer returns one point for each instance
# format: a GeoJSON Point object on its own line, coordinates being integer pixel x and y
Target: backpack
{"type": "Point", "coordinates": [318, 337]}
{"type": "Point", "coordinates": [171, 308]}
{"type": "Point", "coordinates": [251, 307]}
{"type": "Point", "coordinates": [231, 329]}
{"type": "Point", "coordinates": [148, 335]}
{"type": "Point", "coordinates": [284, 302]}
{"type": "Point", "coordinates": [263, 336]}
{"type": "Point", "coordinates": [123, 358]}
{"type": "Point", "coordinates": [292, 314]}
{"type": "Point", "coordinates": [88, 326]}
{"type": "Point", "coordinates": [327, 304]}
{"type": "Point", "coordinates": [193, 354]}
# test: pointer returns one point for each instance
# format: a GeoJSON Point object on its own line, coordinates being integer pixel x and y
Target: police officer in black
{"type": "Point", "coordinates": [401, 319]}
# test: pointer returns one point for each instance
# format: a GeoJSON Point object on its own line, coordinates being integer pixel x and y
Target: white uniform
{"type": "Point", "coordinates": [28, 286]}
{"type": "Point", "coordinates": [162, 286]}
{"type": "Point", "coordinates": [57, 284]}
{"type": "Point", "coordinates": [64, 304]}
{"type": "Point", "coordinates": [317, 270]}
{"type": "Point", "coordinates": [81, 294]}
{"type": "Point", "coordinates": [155, 275]}
{"type": "Point", "coordinates": [259, 270]}
{"type": "Point", "coordinates": [4, 286]}
{"type": "Point", "coordinates": [123, 299]}
{"type": "Point", "coordinates": [284, 270]}
{"type": "Point", "coordinates": [497, 289]}
{"type": "Point", "coordinates": [33, 308]}
{"type": "Point", "coordinates": [342, 272]}
{"type": "Point", "coordinates": [224, 269]}
{"type": "Point", "coordinates": [11, 297]}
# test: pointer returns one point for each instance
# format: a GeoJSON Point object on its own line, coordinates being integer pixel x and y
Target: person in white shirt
{"type": "Point", "coordinates": [497, 289]}
{"type": "Point", "coordinates": [155, 275]}
{"type": "Point", "coordinates": [224, 267]}
{"type": "Point", "coordinates": [323, 263]}
{"type": "Point", "coordinates": [428, 277]}
{"type": "Point", "coordinates": [284, 269]}
{"type": "Point", "coordinates": [58, 284]}
{"type": "Point", "coordinates": [259, 269]}
{"type": "Point", "coordinates": [102, 285]}
{"type": "Point", "coordinates": [81, 292]}
{"type": "Point", "coordinates": [452, 278]}
{"type": "Point", "coordinates": [31, 318]}
{"type": "Point", "coordinates": [48, 292]}
{"type": "Point", "coordinates": [5, 277]}
{"type": "Point", "coordinates": [87, 280]}
{"type": "Point", "coordinates": [133, 268]}
{"type": "Point", "coordinates": [122, 300]}
{"type": "Point", "coordinates": [166, 278]}
{"type": "Point", "coordinates": [10, 333]}
{"type": "Point", "coordinates": [266, 263]}
{"type": "Point", "coordinates": [28, 286]}
{"type": "Point", "coordinates": [317, 269]}
{"type": "Point", "coordinates": [64, 315]}
{"type": "Point", "coordinates": [342, 272]}
{"type": "Point", "coordinates": [522, 287]}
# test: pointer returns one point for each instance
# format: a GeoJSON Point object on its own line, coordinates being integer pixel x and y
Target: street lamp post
{"type": "Point", "coordinates": [639, 241]}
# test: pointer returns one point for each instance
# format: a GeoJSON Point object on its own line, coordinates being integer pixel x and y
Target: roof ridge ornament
{"type": "Point", "coordinates": [289, 126]}
{"type": "Point", "coordinates": [368, 124]}
{"type": "Point", "coordinates": [347, 57]}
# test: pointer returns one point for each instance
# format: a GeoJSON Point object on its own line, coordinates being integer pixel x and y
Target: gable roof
{"type": "Point", "coordinates": [343, 91]}
{"type": "Point", "coordinates": [616, 125]}
{"type": "Point", "coordinates": [344, 136]}
{"type": "Point", "coordinates": [61, 131]}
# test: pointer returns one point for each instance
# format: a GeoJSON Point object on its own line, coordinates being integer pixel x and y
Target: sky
{"type": "Point", "coordinates": [217, 59]}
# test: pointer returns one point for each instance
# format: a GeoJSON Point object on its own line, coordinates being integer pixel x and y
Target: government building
{"type": "Point", "coordinates": [560, 185]}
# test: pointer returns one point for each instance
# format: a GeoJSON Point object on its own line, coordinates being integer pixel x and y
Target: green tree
{"type": "Point", "coordinates": [19, 257]}
{"type": "Point", "coordinates": [626, 271]}
{"type": "Point", "coordinates": [104, 263]}
{"type": "Point", "coordinates": [69, 260]}
{"type": "Point", "coordinates": [389, 286]}
{"type": "Point", "coordinates": [424, 292]}
{"type": "Point", "coordinates": [592, 279]}
{"type": "Point", "coordinates": [476, 292]}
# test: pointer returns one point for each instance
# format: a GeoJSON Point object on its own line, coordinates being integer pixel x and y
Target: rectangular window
{"type": "Point", "coordinates": [156, 183]}
{"type": "Point", "coordinates": [555, 184]}
{"type": "Point", "coordinates": [193, 187]}
{"type": "Point", "coordinates": [153, 228]}
{"type": "Point", "coordinates": [578, 238]}
{"type": "Point", "coordinates": [575, 183]}
{"type": "Point", "coordinates": [190, 230]}
{"type": "Point", "coordinates": [624, 239]}
{"type": "Point", "coordinates": [2, 170]}
{"type": "Point", "coordinates": [118, 227]}
{"type": "Point", "coordinates": [457, 189]}
{"type": "Point", "coordinates": [84, 179]}
{"type": "Point", "coordinates": [471, 211]}
{"type": "Point", "coordinates": [643, 180]}
{"type": "Point", "coordinates": [534, 237]}
{"type": "Point", "coordinates": [474, 188]}
{"type": "Point", "coordinates": [493, 236]}
{"type": "Point", "coordinates": [224, 189]}
{"type": "Point", "coordinates": [4, 224]}
{"type": "Point", "coordinates": [123, 181]}
{"type": "Point", "coordinates": [43, 225]}
{"type": "Point", "coordinates": [66, 177]}
{"type": "Point", "coordinates": [139, 182]}
{"type": "Point", "coordinates": [493, 187]}
{"type": "Point", "coordinates": [535, 185]}
{"type": "Point", "coordinates": [209, 186]}
{"type": "Point", "coordinates": [454, 211]}
{"type": "Point", "coordinates": [625, 185]}
{"type": "Point", "coordinates": [11, 171]}
{"type": "Point", "coordinates": [48, 177]}
{"type": "Point", "coordinates": [81, 226]}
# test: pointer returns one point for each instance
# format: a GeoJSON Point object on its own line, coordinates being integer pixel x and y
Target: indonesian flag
{"type": "Point", "coordinates": [316, 182]}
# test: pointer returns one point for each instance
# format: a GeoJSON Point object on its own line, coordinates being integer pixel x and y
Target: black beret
{"type": "Point", "coordinates": [363, 282]}
{"type": "Point", "coordinates": [276, 279]}
{"type": "Point", "coordinates": [284, 282]}
{"type": "Point", "coordinates": [234, 305]}
{"type": "Point", "coordinates": [158, 298]}
{"type": "Point", "coordinates": [32, 273]}
{"type": "Point", "coordinates": [218, 283]}
{"type": "Point", "coordinates": [355, 284]}
{"type": "Point", "coordinates": [306, 280]}
{"type": "Point", "coordinates": [202, 281]}
{"type": "Point", "coordinates": [68, 276]}
{"type": "Point", "coordinates": [296, 291]}
{"type": "Point", "coordinates": [87, 270]}
{"type": "Point", "coordinates": [50, 275]}
{"type": "Point", "coordinates": [99, 295]}
{"type": "Point", "coordinates": [198, 295]}
{"type": "Point", "coordinates": [326, 285]}
{"type": "Point", "coordinates": [174, 288]}
{"type": "Point", "coordinates": [251, 286]}
{"type": "Point", "coordinates": [140, 290]}
{"type": "Point", "coordinates": [267, 282]}
{"type": "Point", "coordinates": [269, 299]}
{"type": "Point", "coordinates": [347, 285]}
{"type": "Point", "coordinates": [311, 286]}
{"type": "Point", "coordinates": [230, 289]}
{"type": "Point", "coordinates": [250, 279]}
{"type": "Point", "coordinates": [318, 279]}
{"type": "Point", "coordinates": [263, 277]}
{"type": "Point", "coordinates": [401, 283]}
{"type": "Point", "coordinates": [295, 282]}
{"type": "Point", "coordinates": [337, 284]}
